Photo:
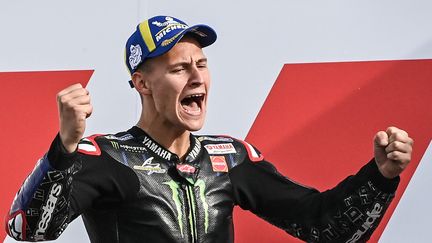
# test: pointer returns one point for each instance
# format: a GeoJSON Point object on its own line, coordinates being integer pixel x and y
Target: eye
{"type": "Point", "coordinates": [178, 69]}
{"type": "Point", "coordinates": [202, 64]}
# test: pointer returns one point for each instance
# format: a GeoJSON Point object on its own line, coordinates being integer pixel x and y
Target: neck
{"type": "Point", "coordinates": [175, 140]}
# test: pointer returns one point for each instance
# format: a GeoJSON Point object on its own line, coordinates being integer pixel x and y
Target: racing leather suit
{"type": "Point", "coordinates": [128, 188]}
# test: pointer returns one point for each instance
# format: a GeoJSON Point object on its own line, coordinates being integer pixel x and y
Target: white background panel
{"type": "Point", "coordinates": [255, 39]}
{"type": "Point", "coordinates": [410, 221]}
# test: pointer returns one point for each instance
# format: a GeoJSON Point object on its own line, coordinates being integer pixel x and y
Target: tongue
{"type": "Point", "coordinates": [191, 106]}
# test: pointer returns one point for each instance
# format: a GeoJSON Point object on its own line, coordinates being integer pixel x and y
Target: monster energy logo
{"type": "Point", "coordinates": [175, 189]}
{"type": "Point", "coordinates": [115, 145]}
{"type": "Point", "coordinates": [175, 196]}
{"type": "Point", "coordinates": [201, 185]}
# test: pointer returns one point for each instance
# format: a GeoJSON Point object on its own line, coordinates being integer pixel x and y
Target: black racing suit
{"type": "Point", "coordinates": [128, 188]}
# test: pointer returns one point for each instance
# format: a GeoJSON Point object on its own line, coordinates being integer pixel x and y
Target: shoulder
{"type": "Point", "coordinates": [225, 145]}
{"type": "Point", "coordinates": [92, 145]}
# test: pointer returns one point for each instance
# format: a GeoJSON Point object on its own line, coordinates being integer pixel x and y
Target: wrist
{"type": "Point", "coordinates": [387, 171]}
{"type": "Point", "coordinates": [59, 158]}
{"type": "Point", "coordinates": [68, 146]}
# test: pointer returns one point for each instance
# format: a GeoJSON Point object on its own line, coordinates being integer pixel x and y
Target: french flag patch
{"type": "Point", "coordinates": [89, 146]}
{"type": "Point", "coordinates": [254, 155]}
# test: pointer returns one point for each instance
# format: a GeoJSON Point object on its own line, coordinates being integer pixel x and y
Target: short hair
{"type": "Point", "coordinates": [146, 66]}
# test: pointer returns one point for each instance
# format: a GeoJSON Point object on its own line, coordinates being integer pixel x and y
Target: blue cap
{"type": "Point", "coordinates": [158, 35]}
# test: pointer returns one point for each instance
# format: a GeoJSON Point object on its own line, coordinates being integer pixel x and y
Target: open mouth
{"type": "Point", "coordinates": [192, 103]}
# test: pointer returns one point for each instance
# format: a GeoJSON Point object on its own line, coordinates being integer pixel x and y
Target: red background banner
{"type": "Point", "coordinates": [316, 125]}
{"type": "Point", "coordinates": [318, 122]}
{"type": "Point", "coordinates": [29, 123]}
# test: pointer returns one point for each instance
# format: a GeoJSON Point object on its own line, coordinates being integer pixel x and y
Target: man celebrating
{"type": "Point", "coordinates": [158, 182]}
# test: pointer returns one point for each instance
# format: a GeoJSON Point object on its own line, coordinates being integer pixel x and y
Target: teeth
{"type": "Point", "coordinates": [194, 95]}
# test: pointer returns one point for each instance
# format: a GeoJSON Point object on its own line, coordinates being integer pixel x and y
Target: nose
{"type": "Point", "coordinates": [196, 77]}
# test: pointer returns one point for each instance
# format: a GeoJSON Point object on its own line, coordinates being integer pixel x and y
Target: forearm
{"type": "Point", "coordinates": [40, 209]}
{"type": "Point", "coordinates": [350, 211]}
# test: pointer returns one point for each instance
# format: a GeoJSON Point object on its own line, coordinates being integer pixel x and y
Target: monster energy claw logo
{"type": "Point", "coordinates": [202, 187]}
{"type": "Point", "coordinates": [176, 198]}
{"type": "Point", "coordinates": [115, 145]}
{"type": "Point", "coordinates": [175, 189]}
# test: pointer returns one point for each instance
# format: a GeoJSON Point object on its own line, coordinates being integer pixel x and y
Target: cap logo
{"type": "Point", "coordinates": [198, 32]}
{"type": "Point", "coordinates": [135, 56]}
{"type": "Point", "coordinates": [167, 26]}
{"type": "Point", "coordinates": [168, 21]}
{"type": "Point", "coordinates": [168, 41]}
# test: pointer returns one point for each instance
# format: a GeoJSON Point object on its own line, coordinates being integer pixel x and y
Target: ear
{"type": "Point", "coordinates": [141, 84]}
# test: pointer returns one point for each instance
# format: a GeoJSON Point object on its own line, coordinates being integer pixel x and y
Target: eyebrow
{"type": "Point", "coordinates": [185, 63]}
{"type": "Point", "coordinates": [204, 59]}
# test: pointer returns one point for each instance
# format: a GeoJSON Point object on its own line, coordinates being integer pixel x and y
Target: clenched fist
{"type": "Point", "coordinates": [393, 149]}
{"type": "Point", "coordinates": [74, 107]}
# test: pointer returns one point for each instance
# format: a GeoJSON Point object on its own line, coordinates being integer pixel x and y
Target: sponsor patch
{"type": "Point", "coordinates": [170, 40]}
{"type": "Point", "coordinates": [215, 139]}
{"type": "Point", "coordinates": [198, 32]}
{"type": "Point", "coordinates": [221, 148]}
{"type": "Point", "coordinates": [168, 21]}
{"type": "Point", "coordinates": [169, 25]}
{"type": "Point", "coordinates": [121, 138]}
{"type": "Point", "coordinates": [219, 163]}
{"type": "Point", "coordinates": [128, 148]}
{"type": "Point", "coordinates": [150, 167]}
{"type": "Point", "coordinates": [185, 168]}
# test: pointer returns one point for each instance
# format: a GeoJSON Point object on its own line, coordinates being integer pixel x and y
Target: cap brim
{"type": "Point", "coordinates": [204, 34]}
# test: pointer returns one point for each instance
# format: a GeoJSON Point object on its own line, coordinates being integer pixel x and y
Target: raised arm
{"type": "Point", "coordinates": [349, 212]}
{"type": "Point", "coordinates": [74, 108]}
{"type": "Point", "coordinates": [42, 209]}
